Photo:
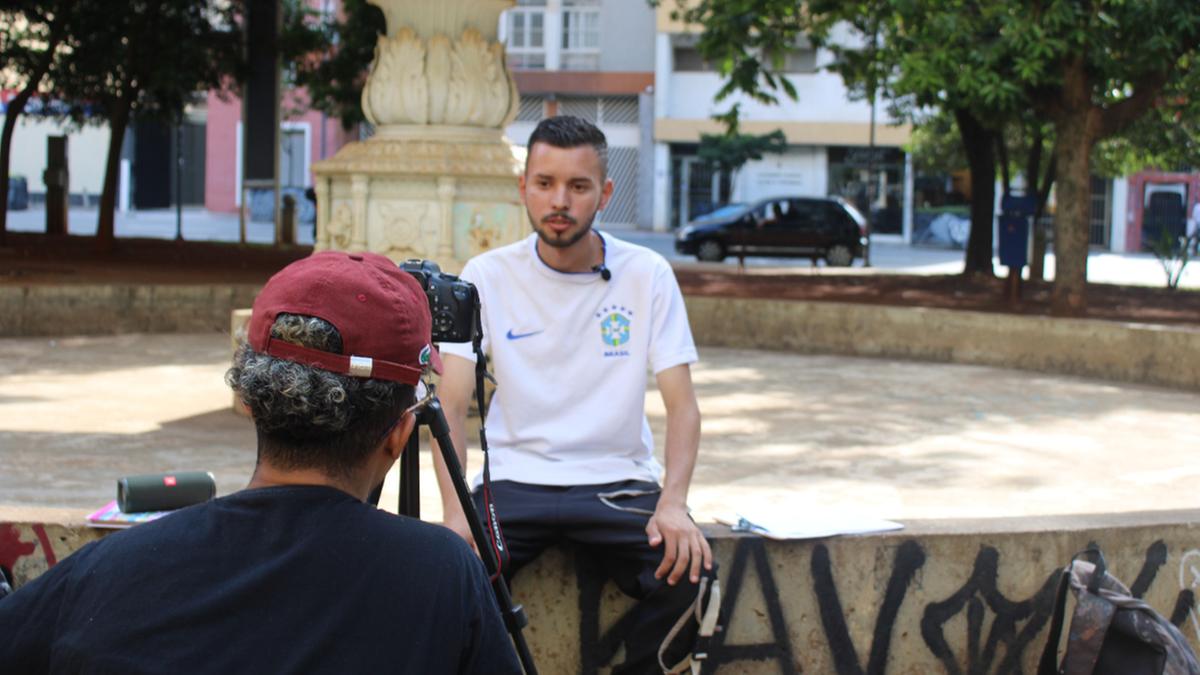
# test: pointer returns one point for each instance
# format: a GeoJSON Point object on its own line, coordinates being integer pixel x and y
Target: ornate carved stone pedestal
{"type": "Point", "coordinates": [438, 180]}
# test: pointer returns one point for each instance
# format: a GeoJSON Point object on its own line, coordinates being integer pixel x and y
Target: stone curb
{"type": "Point", "coordinates": [1126, 352]}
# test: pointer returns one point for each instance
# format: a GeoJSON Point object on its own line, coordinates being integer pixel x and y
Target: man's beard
{"type": "Point", "coordinates": [566, 239]}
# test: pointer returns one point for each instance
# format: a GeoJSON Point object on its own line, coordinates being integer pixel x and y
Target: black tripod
{"type": "Point", "coordinates": [431, 415]}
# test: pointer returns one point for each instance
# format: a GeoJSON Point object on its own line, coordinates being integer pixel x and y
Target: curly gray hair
{"type": "Point", "coordinates": [308, 417]}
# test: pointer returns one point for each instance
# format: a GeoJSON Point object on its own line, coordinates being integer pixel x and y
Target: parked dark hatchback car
{"type": "Point", "coordinates": [810, 227]}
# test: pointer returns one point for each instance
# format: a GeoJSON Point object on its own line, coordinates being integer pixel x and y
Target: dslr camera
{"type": "Point", "coordinates": [453, 302]}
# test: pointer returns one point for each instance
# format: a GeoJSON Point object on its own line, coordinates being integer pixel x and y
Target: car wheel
{"type": "Point", "coordinates": [839, 255]}
{"type": "Point", "coordinates": [710, 251]}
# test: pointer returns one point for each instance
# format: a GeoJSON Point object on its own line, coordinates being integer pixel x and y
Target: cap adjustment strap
{"type": "Point", "coordinates": [355, 366]}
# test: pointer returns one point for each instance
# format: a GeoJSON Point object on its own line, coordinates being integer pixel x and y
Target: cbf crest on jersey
{"type": "Point", "coordinates": [616, 324]}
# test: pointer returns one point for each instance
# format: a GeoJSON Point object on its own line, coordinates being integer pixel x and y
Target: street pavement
{"type": "Point", "coordinates": [781, 432]}
{"type": "Point", "coordinates": [887, 254]}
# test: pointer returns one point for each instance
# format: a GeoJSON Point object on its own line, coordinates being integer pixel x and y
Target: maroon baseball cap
{"type": "Point", "coordinates": [380, 310]}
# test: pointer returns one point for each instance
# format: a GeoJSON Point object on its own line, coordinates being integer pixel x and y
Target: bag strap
{"type": "Point", "coordinates": [1048, 665]}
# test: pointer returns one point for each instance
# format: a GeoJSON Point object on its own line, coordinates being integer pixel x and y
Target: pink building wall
{"type": "Point", "coordinates": [1136, 204]}
{"type": "Point", "coordinates": [221, 145]}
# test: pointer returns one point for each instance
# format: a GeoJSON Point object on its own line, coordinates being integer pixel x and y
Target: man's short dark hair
{"type": "Point", "coordinates": [568, 131]}
{"type": "Point", "coordinates": [307, 417]}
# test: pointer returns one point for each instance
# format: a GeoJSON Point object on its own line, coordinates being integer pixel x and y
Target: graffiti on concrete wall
{"type": "Point", "coordinates": [999, 630]}
{"type": "Point", "coordinates": [1189, 583]}
{"type": "Point", "coordinates": [1014, 623]}
{"type": "Point", "coordinates": [13, 548]}
{"type": "Point", "coordinates": [909, 559]}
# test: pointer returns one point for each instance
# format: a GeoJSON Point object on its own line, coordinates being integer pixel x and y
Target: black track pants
{"type": "Point", "coordinates": [535, 517]}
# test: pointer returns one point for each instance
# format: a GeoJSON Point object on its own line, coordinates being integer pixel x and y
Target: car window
{"type": "Point", "coordinates": [727, 210]}
{"type": "Point", "coordinates": [773, 212]}
{"type": "Point", "coordinates": [800, 213]}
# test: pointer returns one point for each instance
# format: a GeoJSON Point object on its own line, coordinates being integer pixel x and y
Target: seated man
{"type": "Point", "coordinates": [294, 574]}
{"type": "Point", "coordinates": [574, 319]}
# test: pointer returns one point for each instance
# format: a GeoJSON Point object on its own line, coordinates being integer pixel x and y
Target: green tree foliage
{"type": "Point", "coordinates": [334, 68]}
{"type": "Point", "coordinates": [730, 152]}
{"type": "Point", "coordinates": [144, 59]}
{"type": "Point", "coordinates": [935, 145]}
{"type": "Point", "coordinates": [30, 36]}
{"type": "Point", "coordinates": [1090, 68]}
{"type": "Point", "coordinates": [141, 58]}
{"type": "Point", "coordinates": [1174, 254]}
{"type": "Point", "coordinates": [1100, 68]}
{"type": "Point", "coordinates": [1167, 138]}
{"type": "Point", "coordinates": [884, 50]}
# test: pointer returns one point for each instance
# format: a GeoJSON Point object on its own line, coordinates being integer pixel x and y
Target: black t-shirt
{"type": "Point", "coordinates": [300, 579]}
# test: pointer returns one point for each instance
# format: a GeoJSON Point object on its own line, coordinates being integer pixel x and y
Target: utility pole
{"type": "Point", "coordinates": [179, 176]}
{"type": "Point", "coordinates": [871, 182]}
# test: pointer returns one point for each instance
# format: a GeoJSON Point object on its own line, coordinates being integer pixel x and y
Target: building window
{"type": "Point", "coordinates": [584, 108]}
{"type": "Point", "coordinates": [525, 37]}
{"type": "Point", "coordinates": [688, 60]}
{"type": "Point", "coordinates": [532, 109]}
{"type": "Point", "coordinates": [580, 35]}
{"type": "Point", "coordinates": [800, 61]}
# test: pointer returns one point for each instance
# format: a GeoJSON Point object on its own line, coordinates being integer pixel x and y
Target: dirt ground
{"type": "Point", "coordinates": [29, 259]}
{"type": "Point", "coordinates": [790, 433]}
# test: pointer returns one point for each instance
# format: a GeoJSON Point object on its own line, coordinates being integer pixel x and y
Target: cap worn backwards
{"type": "Point", "coordinates": [380, 311]}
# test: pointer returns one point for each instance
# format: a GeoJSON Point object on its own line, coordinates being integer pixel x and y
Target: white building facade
{"type": "Point", "coordinates": [593, 59]}
{"type": "Point", "coordinates": [829, 139]}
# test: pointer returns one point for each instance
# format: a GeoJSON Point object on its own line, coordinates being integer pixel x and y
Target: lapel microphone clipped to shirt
{"type": "Point", "coordinates": [605, 274]}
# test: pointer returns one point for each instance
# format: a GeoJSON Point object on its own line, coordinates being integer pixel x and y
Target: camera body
{"type": "Point", "coordinates": [453, 302]}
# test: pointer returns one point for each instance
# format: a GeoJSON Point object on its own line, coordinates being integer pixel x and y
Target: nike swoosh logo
{"type": "Point", "coordinates": [517, 336]}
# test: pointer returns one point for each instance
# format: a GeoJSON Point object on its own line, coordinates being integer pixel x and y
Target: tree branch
{"type": "Point", "coordinates": [1117, 117]}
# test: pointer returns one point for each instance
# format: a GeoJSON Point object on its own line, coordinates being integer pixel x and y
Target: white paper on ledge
{"type": "Point", "coordinates": [813, 526]}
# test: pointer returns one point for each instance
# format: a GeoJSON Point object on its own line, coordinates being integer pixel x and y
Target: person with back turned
{"type": "Point", "coordinates": [295, 573]}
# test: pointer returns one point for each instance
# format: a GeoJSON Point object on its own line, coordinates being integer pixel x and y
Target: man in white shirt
{"type": "Point", "coordinates": [573, 319]}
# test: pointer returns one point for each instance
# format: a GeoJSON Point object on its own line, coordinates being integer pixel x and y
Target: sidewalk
{"type": "Point", "coordinates": [886, 255]}
{"type": "Point", "coordinates": [198, 225]}
{"type": "Point", "coordinates": [883, 438]}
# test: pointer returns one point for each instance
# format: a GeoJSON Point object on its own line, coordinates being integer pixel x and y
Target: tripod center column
{"type": "Point", "coordinates": [437, 179]}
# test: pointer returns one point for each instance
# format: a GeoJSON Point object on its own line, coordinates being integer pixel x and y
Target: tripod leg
{"type": "Point", "coordinates": [514, 615]}
{"type": "Point", "coordinates": [410, 478]}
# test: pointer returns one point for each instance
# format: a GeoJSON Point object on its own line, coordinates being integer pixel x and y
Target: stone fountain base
{"type": "Point", "coordinates": [443, 193]}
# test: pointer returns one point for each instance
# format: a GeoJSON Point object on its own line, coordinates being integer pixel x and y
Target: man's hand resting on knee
{"type": "Point", "coordinates": [684, 548]}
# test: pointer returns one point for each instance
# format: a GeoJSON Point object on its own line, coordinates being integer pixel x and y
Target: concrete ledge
{"type": "Point", "coordinates": [939, 596]}
{"type": "Point", "coordinates": [1140, 353]}
{"type": "Point", "coordinates": [1143, 353]}
{"type": "Point", "coordinates": [102, 309]}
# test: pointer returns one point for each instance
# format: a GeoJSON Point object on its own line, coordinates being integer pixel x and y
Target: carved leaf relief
{"type": "Point", "coordinates": [463, 82]}
{"type": "Point", "coordinates": [341, 227]}
{"type": "Point", "coordinates": [397, 91]}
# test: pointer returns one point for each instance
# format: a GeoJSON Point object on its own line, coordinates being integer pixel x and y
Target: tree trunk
{"type": "Point", "coordinates": [15, 107]}
{"type": "Point", "coordinates": [1002, 155]}
{"type": "Point", "coordinates": [105, 238]}
{"type": "Point", "coordinates": [979, 144]}
{"type": "Point", "coordinates": [1037, 265]}
{"type": "Point", "coordinates": [1071, 220]}
{"type": "Point", "coordinates": [1033, 172]}
{"type": "Point", "coordinates": [1077, 126]}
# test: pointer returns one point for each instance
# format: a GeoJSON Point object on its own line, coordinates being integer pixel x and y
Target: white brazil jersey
{"type": "Point", "coordinates": [571, 354]}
